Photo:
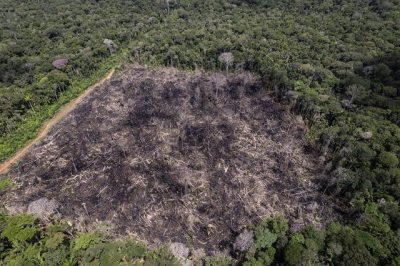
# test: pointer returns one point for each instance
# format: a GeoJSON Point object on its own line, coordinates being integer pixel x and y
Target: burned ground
{"type": "Point", "coordinates": [172, 156]}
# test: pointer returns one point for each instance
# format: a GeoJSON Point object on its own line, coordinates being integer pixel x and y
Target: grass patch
{"type": "Point", "coordinates": [5, 184]}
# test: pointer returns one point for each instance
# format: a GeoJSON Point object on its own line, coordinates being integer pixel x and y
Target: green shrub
{"type": "Point", "coordinates": [279, 226]}
{"type": "Point", "coordinates": [388, 159]}
{"type": "Point", "coordinates": [25, 242]}
{"type": "Point", "coordinates": [348, 246]}
{"type": "Point", "coordinates": [389, 91]}
{"type": "Point", "coordinates": [161, 257]}
{"type": "Point", "coordinates": [363, 154]}
{"type": "Point", "coordinates": [218, 260]}
{"type": "Point", "coordinates": [20, 229]}
{"type": "Point", "coordinates": [294, 253]}
{"type": "Point", "coordinates": [84, 241]}
{"type": "Point", "coordinates": [30, 256]}
{"type": "Point", "coordinates": [5, 184]}
{"type": "Point", "coordinates": [264, 237]}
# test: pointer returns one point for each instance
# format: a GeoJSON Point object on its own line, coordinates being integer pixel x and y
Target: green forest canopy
{"type": "Point", "coordinates": [341, 59]}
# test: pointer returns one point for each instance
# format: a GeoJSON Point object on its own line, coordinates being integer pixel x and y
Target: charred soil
{"type": "Point", "coordinates": [172, 156]}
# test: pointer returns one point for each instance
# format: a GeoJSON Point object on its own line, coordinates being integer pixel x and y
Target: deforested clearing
{"type": "Point", "coordinates": [172, 156]}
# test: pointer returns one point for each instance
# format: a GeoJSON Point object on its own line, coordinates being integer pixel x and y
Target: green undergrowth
{"type": "Point", "coordinates": [25, 241]}
{"type": "Point", "coordinates": [5, 183]}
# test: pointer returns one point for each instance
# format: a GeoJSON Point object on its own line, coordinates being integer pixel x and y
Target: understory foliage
{"type": "Point", "coordinates": [23, 241]}
{"type": "Point", "coordinates": [337, 63]}
{"type": "Point", "coordinates": [5, 183]}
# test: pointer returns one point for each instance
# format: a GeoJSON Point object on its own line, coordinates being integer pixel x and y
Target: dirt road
{"type": "Point", "coordinates": [44, 130]}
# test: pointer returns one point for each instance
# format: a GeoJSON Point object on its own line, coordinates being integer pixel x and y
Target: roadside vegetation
{"type": "Point", "coordinates": [335, 63]}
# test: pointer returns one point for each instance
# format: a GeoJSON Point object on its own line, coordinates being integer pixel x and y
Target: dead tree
{"type": "Point", "coordinates": [226, 59]}
{"type": "Point", "coordinates": [167, 5]}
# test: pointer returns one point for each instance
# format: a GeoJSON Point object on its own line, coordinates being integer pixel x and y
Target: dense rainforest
{"type": "Point", "coordinates": [336, 63]}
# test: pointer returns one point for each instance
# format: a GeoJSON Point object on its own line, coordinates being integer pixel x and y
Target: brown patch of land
{"type": "Point", "coordinates": [172, 156]}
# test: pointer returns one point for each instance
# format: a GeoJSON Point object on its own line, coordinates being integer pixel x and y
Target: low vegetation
{"type": "Point", "coordinates": [5, 183]}
{"type": "Point", "coordinates": [24, 241]}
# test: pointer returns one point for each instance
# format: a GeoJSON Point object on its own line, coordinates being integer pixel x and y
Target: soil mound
{"type": "Point", "coordinates": [175, 157]}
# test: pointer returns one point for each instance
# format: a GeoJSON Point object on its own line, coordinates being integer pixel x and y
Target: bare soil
{"type": "Point", "coordinates": [176, 157]}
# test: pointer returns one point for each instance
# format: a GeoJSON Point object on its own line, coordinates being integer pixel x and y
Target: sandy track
{"type": "Point", "coordinates": [44, 130]}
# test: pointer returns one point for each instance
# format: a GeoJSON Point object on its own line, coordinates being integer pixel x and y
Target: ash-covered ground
{"type": "Point", "coordinates": [175, 157]}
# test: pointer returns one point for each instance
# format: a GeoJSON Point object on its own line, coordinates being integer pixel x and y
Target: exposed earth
{"type": "Point", "coordinates": [175, 157]}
